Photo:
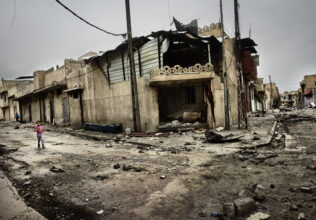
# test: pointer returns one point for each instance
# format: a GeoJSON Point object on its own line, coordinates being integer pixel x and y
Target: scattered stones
{"type": "Point", "coordinates": [127, 167]}
{"type": "Point", "coordinates": [311, 167]}
{"type": "Point", "coordinates": [128, 131]}
{"type": "Point", "coordinates": [100, 212]}
{"type": "Point", "coordinates": [229, 209]}
{"type": "Point", "coordinates": [259, 216]}
{"type": "Point", "coordinates": [141, 151]}
{"type": "Point", "coordinates": [17, 127]}
{"type": "Point", "coordinates": [108, 146]}
{"type": "Point", "coordinates": [136, 169]}
{"type": "Point", "coordinates": [260, 193]}
{"type": "Point", "coordinates": [244, 205]}
{"type": "Point", "coordinates": [162, 177]}
{"type": "Point", "coordinates": [56, 169]}
{"type": "Point", "coordinates": [301, 216]}
{"type": "Point", "coordinates": [293, 207]}
{"type": "Point", "coordinates": [101, 177]}
{"type": "Point", "coordinates": [293, 189]}
{"type": "Point", "coordinates": [306, 189]}
{"type": "Point", "coordinates": [139, 169]}
{"type": "Point", "coordinates": [175, 123]}
{"type": "Point", "coordinates": [116, 166]}
{"type": "Point", "coordinates": [202, 214]}
{"type": "Point", "coordinates": [255, 138]}
{"type": "Point", "coordinates": [28, 172]}
{"type": "Point", "coordinates": [27, 183]}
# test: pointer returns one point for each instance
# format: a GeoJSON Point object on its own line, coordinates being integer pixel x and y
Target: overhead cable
{"type": "Point", "coordinates": [87, 22]}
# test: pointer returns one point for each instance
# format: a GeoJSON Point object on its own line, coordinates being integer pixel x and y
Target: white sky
{"type": "Point", "coordinates": [43, 34]}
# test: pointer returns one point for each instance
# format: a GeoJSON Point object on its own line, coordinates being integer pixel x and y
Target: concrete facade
{"type": "Point", "coordinates": [272, 96]}
{"type": "Point", "coordinates": [308, 88]}
{"type": "Point", "coordinates": [98, 90]}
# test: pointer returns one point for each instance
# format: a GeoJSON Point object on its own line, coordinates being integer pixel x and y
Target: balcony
{"type": "Point", "coordinates": [168, 76]}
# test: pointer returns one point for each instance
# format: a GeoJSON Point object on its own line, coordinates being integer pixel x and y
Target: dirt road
{"type": "Point", "coordinates": [178, 177]}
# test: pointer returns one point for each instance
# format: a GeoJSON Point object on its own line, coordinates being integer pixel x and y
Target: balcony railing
{"type": "Point", "coordinates": [179, 70]}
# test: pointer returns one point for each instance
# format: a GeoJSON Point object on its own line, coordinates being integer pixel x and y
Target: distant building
{"type": "Point", "coordinates": [290, 99]}
{"type": "Point", "coordinates": [272, 96]}
{"type": "Point", "coordinates": [308, 87]}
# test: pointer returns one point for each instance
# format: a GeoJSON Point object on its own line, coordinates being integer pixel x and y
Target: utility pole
{"type": "Point", "coordinates": [271, 93]}
{"type": "Point", "coordinates": [242, 112]}
{"type": "Point", "coordinates": [226, 92]}
{"type": "Point", "coordinates": [135, 103]}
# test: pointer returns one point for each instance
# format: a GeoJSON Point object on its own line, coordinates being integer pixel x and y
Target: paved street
{"type": "Point", "coordinates": [175, 177]}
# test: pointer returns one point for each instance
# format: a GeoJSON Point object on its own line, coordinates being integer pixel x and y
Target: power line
{"type": "Point", "coordinates": [14, 14]}
{"type": "Point", "coordinates": [87, 22]}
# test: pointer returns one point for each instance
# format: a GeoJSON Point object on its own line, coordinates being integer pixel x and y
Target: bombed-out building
{"type": "Point", "coordinates": [178, 74]}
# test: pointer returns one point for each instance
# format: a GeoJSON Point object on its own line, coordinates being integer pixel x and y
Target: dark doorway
{"type": "Point", "coordinates": [65, 109]}
{"type": "Point", "coordinates": [30, 113]}
{"type": "Point", "coordinates": [51, 110]}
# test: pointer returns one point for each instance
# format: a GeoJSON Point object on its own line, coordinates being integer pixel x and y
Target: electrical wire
{"type": "Point", "coordinates": [14, 13]}
{"type": "Point", "coordinates": [87, 22]}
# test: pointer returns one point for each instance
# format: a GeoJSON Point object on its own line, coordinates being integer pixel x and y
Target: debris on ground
{"type": "Point", "coordinates": [244, 205]}
{"type": "Point", "coordinates": [260, 193]}
{"type": "Point", "coordinates": [56, 169]}
{"type": "Point", "coordinates": [301, 216]}
{"type": "Point", "coordinates": [259, 216]}
{"type": "Point", "coordinates": [100, 212]}
{"type": "Point", "coordinates": [216, 214]}
{"type": "Point", "coordinates": [229, 209]}
{"type": "Point", "coordinates": [116, 166]}
{"type": "Point", "coordinates": [213, 137]}
{"type": "Point", "coordinates": [220, 129]}
{"type": "Point", "coordinates": [149, 134]}
{"type": "Point", "coordinates": [101, 177]}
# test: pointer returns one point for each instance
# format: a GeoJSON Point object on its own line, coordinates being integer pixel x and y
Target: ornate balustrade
{"type": "Point", "coordinates": [178, 70]}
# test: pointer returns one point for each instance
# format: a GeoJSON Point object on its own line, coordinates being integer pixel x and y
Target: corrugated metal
{"type": "Point", "coordinates": [149, 59]}
{"type": "Point", "coordinates": [149, 56]}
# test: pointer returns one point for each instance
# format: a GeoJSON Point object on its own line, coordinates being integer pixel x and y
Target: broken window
{"type": "Point", "coordinates": [190, 95]}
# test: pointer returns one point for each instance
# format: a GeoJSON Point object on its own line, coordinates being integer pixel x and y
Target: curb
{"type": "Point", "coordinates": [13, 206]}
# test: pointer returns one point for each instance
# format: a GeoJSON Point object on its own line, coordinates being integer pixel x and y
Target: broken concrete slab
{"type": "Point", "coordinates": [213, 137]}
{"type": "Point", "coordinates": [244, 205]}
{"type": "Point", "coordinates": [229, 209]}
{"type": "Point", "coordinates": [259, 216]}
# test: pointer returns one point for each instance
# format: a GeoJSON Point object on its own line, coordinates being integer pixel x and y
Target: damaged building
{"type": "Point", "coordinates": [308, 87]}
{"type": "Point", "coordinates": [178, 75]}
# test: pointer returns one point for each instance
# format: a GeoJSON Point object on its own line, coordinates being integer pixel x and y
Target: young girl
{"type": "Point", "coordinates": [39, 129]}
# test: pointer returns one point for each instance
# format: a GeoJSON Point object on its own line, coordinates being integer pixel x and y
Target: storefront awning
{"type": "Point", "coordinates": [50, 88]}
{"type": "Point", "coordinates": [73, 89]}
{"type": "Point", "coordinates": [308, 92]}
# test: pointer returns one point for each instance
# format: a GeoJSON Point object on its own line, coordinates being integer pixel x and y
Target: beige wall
{"type": "Point", "coordinates": [232, 80]}
{"type": "Point", "coordinates": [267, 91]}
{"type": "Point", "coordinates": [113, 103]}
{"type": "Point", "coordinates": [309, 81]}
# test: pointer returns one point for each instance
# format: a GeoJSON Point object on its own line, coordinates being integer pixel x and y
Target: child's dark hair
{"type": "Point", "coordinates": [38, 121]}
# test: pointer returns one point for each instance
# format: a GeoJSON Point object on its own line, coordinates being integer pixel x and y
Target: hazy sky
{"type": "Point", "coordinates": [40, 34]}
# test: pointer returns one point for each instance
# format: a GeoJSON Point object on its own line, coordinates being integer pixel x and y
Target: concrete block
{"type": "Point", "coordinates": [229, 209]}
{"type": "Point", "coordinates": [244, 205]}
